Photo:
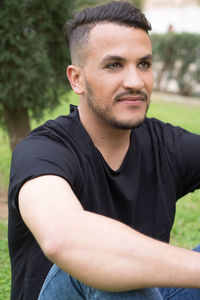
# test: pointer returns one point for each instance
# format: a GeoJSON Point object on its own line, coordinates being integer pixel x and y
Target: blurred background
{"type": "Point", "coordinates": [177, 15]}
{"type": "Point", "coordinates": [176, 44]}
{"type": "Point", "coordinates": [34, 88]}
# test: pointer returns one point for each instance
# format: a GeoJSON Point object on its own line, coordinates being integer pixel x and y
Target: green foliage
{"type": "Point", "coordinates": [33, 53]}
{"type": "Point", "coordinates": [176, 57]}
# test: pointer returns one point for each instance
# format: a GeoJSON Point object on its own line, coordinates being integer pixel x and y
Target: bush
{"type": "Point", "coordinates": [177, 62]}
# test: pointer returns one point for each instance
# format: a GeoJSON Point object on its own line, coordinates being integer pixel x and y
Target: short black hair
{"type": "Point", "coordinates": [77, 29]}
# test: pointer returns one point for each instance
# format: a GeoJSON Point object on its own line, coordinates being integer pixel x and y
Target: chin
{"type": "Point", "coordinates": [127, 125]}
{"type": "Point", "coordinates": [132, 121]}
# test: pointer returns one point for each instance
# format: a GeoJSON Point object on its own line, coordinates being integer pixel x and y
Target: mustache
{"type": "Point", "coordinates": [131, 93]}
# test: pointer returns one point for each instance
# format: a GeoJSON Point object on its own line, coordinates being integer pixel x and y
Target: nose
{"type": "Point", "coordinates": [133, 80]}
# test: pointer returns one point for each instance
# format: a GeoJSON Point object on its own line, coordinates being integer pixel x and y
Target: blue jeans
{"type": "Point", "coordinates": [61, 286]}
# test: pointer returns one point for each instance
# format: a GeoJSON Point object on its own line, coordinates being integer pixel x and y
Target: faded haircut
{"type": "Point", "coordinates": [78, 28]}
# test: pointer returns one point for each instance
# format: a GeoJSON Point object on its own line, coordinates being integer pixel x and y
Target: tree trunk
{"type": "Point", "coordinates": [17, 122]}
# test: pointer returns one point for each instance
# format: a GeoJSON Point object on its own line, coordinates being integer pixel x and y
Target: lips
{"type": "Point", "coordinates": [131, 97]}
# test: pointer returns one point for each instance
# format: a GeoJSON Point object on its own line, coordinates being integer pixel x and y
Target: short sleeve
{"type": "Point", "coordinates": [41, 155]}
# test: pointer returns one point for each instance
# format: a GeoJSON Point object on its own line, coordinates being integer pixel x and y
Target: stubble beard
{"type": "Point", "coordinates": [104, 114]}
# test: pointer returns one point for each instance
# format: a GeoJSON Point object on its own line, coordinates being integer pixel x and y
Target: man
{"type": "Point", "coordinates": [96, 190]}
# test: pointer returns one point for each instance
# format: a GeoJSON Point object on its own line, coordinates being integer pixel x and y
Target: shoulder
{"type": "Point", "coordinates": [172, 141]}
{"type": "Point", "coordinates": [54, 135]}
{"type": "Point", "coordinates": [180, 147]}
{"type": "Point", "coordinates": [55, 130]}
{"type": "Point", "coordinates": [168, 131]}
{"type": "Point", "coordinates": [160, 125]}
{"type": "Point", "coordinates": [50, 149]}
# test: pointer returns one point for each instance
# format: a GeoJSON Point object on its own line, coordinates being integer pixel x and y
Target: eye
{"type": "Point", "coordinates": [144, 65]}
{"type": "Point", "coordinates": [114, 65]}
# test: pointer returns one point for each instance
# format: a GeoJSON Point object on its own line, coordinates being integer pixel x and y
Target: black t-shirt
{"type": "Point", "coordinates": [161, 165]}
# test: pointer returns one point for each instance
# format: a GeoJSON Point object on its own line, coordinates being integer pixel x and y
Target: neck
{"type": "Point", "coordinates": [113, 143]}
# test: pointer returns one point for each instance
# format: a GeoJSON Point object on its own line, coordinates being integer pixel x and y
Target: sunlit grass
{"type": "Point", "coordinates": [186, 230]}
{"type": "Point", "coordinates": [186, 116]}
{"type": "Point", "coordinates": [4, 263]}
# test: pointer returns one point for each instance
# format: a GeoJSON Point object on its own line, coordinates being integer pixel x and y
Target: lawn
{"type": "Point", "coordinates": [4, 263]}
{"type": "Point", "coordinates": [186, 227]}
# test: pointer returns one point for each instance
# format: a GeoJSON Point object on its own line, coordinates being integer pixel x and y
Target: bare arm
{"type": "Point", "coordinates": [100, 251]}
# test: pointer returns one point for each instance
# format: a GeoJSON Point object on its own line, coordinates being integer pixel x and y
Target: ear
{"type": "Point", "coordinates": [74, 76]}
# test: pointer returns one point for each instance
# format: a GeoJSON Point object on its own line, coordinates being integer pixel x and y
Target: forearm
{"type": "Point", "coordinates": [109, 255]}
{"type": "Point", "coordinates": [100, 251]}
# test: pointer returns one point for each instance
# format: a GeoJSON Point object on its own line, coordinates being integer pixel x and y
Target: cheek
{"type": "Point", "coordinates": [149, 82]}
{"type": "Point", "coordinates": [101, 89]}
{"type": "Point", "coordinates": [104, 86]}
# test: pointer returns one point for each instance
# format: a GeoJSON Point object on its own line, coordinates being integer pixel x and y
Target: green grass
{"type": "Point", "coordinates": [5, 155]}
{"type": "Point", "coordinates": [186, 116]}
{"type": "Point", "coordinates": [4, 263]}
{"type": "Point", "coordinates": [186, 228]}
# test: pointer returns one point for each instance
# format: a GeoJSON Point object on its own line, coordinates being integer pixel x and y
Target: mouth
{"type": "Point", "coordinates": [133, 101]}
{"type": "Point", "coordinates": [131, 98]}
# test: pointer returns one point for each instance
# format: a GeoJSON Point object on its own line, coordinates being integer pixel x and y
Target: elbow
{"type": "Point", "coordinates": [52, 248]}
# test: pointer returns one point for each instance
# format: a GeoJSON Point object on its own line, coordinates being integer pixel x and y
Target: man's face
{"type": "Point", "coordinates": [117, 75]}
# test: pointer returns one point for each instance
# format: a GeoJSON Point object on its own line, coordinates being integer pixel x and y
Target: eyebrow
{"type": "Point", "coordinates": [146, 57]}
{"type": "Point", "coordinates": [112, 58]}
{"type": "Point", "coordinates": [120, 58]}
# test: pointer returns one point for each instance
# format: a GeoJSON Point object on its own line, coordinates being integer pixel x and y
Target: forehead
{"type": "Point", "coordinates": [113, 39]}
